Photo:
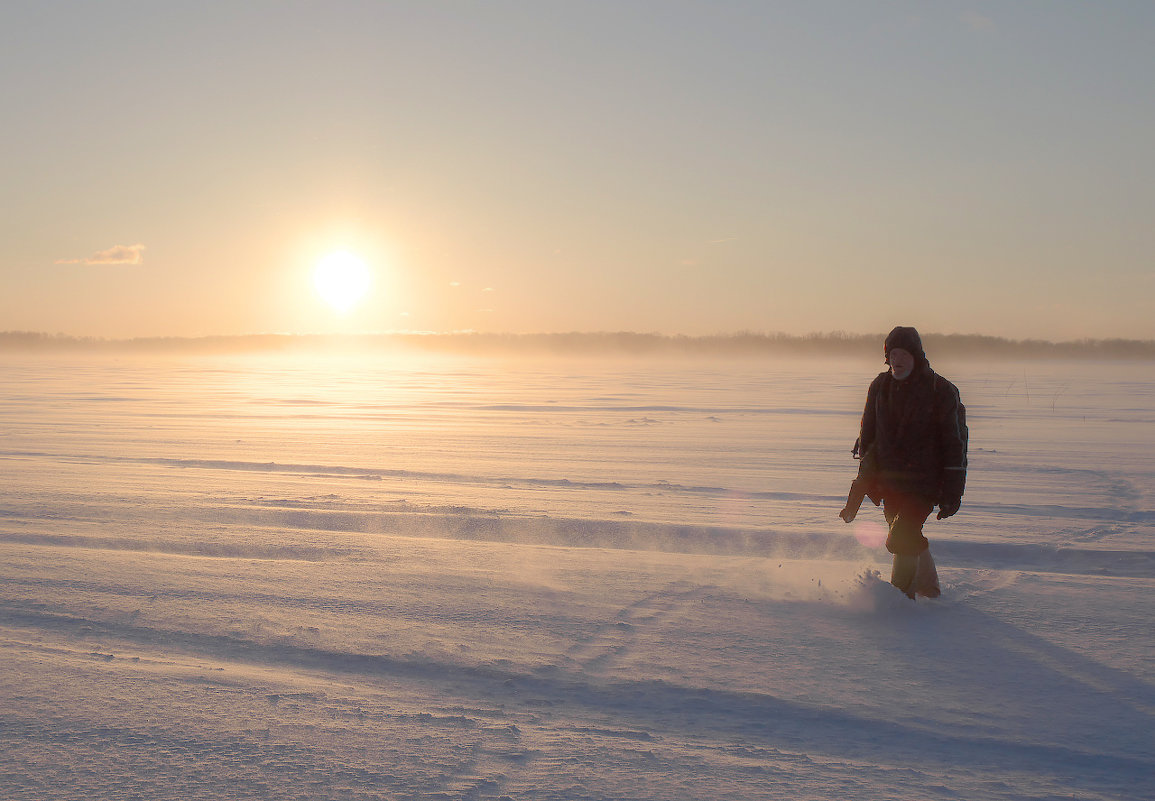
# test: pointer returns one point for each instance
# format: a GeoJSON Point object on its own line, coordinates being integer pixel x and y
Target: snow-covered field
{"type": "Point", "coordinates": [419, 578]}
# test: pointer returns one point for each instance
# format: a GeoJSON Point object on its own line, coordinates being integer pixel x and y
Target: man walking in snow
{"type": "Point", "coordinates": [914, 439]}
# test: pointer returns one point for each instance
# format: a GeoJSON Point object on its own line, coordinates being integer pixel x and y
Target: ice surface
{"type": "Point", "coordinates": [241, 578]}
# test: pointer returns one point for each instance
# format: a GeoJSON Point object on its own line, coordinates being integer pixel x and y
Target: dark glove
{"type": "Point", "coordinates": [951, 492]}
{"type": "Point", "coordinates": [948, 507]}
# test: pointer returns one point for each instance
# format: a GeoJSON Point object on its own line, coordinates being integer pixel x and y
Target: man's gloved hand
{"type": "Point", "coordinates": [948, 507]}
{"type": "Point", "coordinates": [951, 492]}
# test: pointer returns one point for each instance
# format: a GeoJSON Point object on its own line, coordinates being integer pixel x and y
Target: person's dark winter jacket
{"type": "Point", "coordinates": [912, 427]}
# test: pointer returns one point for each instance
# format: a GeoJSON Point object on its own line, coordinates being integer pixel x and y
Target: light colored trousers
{"type": "Point", "coordinates": [916, 575]}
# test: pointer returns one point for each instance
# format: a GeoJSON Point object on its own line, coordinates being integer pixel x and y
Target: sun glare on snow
{"type": "Point", "coordinates": [342, 280]}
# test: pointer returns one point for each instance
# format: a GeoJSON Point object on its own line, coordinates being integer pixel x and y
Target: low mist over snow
{"type": "Point", "coordinates": [432, 577]}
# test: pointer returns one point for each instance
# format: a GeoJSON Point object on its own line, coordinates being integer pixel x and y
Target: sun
{"type": "Point", "coordinates": [342, 279]}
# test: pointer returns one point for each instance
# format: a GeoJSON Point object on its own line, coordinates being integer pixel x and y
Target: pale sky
{"type": "Point", "coordinates": [180, 168]}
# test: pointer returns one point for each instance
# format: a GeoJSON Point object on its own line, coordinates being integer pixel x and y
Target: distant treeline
{"type": "Point", "coordinates": [742, 344]}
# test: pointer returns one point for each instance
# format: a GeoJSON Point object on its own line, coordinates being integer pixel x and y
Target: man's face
{"type": "Point", "coordinates": [901, 363]}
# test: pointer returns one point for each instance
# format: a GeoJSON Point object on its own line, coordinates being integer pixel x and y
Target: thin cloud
{"type": "Point", "coordinates": [978, 22]}
{"type": "Point", "coordinates": [117, 254]}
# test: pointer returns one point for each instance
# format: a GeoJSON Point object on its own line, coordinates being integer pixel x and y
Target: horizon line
{"type": "Point", "coordinates": [739, 343]}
